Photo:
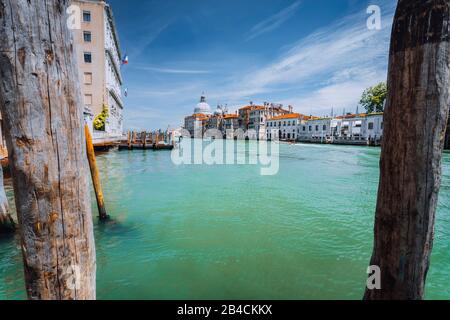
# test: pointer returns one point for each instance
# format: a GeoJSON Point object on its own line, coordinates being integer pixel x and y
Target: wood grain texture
{"type": "Point", "coordinates": [40, 101]}
{"type": "Point", "coordinates": [414, 128]}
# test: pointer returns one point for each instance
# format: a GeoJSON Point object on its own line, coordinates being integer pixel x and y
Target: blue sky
{"type": "Point", "coordinates": [312, 54]}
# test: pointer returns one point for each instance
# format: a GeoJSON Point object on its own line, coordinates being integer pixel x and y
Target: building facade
{"type": "Point", "coordinates": [373, 128]}
{"type": "Point", "coordinates": [315, 130]}
{"type": "Point", "coordinates": [253, 118]}
{"type": "Point", "coordinates": [99, 61]}
{"type": "Point", "coordinates": [197, 123]}
{"type": "Point", "coordinates": [270, 122]}
{"type": "Point", "coordinates": [364, 129]}
{"type": "Point", "coordinates": [284, 127]}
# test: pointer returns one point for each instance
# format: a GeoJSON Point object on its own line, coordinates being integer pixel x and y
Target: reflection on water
{"type": "Point", "coordinates": [212, 232]}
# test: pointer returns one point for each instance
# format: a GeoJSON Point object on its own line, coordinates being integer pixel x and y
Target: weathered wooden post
{"type": "Point", "coordinates": [414, 129]}
{"type": "Point", "coordinates": [144, 135]}
{"type": "Point", "coordinates": [129, 140]}
{"type": "Point", "coordinates": [7, 224]}
{"type": "Point", "coordinates": [95, 175]}
{"type": "Point", "coordinates": [40, 101]}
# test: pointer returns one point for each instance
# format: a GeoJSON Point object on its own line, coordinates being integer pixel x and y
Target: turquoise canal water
{"type": "Point", "coordinates": [226, 232]}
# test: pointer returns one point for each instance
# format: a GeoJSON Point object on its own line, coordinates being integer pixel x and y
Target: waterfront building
{"type": "Point", "coordinates": [350, 129]}
{"type": "Point", "coordinates": [373, 128]}
{"type": "Point", "coordinates": [99, 59]}
{"type": "Point", "coordinates": [230, 122]}
{"type": "Point", "coordinates": [216, 120]}
{"type": "Point", "coordinates": [316, 129]}
{"type": "Point", "coordinates": [285, 127]}
{"type": "Point", "coordinates": [253, 118]}
{"type": "Point", "coordinates": [363, 129]}
{"type": "Point", "coordinates": [197, 123]}
{"type": "Point", "coordinates": [262, 122]}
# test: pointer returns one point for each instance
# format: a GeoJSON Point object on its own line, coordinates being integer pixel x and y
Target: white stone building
{"type": "Point", "coordinates": [360, 129]}
{"type": "Point", "coordinates": [373, 128]}
{"type": "Point", "coordinates": [99, 60]}
{"type": "Point", "coordinates": [315, 130]}
{"type": "Point", "coordinates": [197, 122]}
{"type": "Point", "coordinates": [253, 118]}
{"type": "Point", "coordinates": [285, 127]}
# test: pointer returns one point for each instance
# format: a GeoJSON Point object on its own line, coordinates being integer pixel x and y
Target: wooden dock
{"type": "Point", "coordinates": [146, 141]}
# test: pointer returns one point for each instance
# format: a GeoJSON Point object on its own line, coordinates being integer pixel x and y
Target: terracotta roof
{"type": "Point", "coordinates": [288, 116]}
{"type": "Point", "coordinates": [230, 116]}
{"type": "Point", "coordinates": [351, 116]}
{"type": "Point", "coordinates": [375, 114]}
{"type": "Point", "coordinates": [199, 116]}
{"type": "Point", "coordinates": [251, 107]}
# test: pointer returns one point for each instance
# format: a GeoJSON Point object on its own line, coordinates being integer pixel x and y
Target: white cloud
{"type": "Point", "coordinates": [169, 70]}
{"type": "Point", "coordinates": [335, 64]}
{"type": "Point", "coordinates": [273, 22]}
{"type": "Point", "coordinates": [339, 95]}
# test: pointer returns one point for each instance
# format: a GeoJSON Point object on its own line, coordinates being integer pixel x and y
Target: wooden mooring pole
{"type": "Point", "coordinates": [95, 175]}
{"type": "Point", "coordinates": [129, 140]}
{"type": "Point", "coordinates": [415, 121]}
{"type": "Point", "coordinates": [144, 138]}
{"type": "Point", "coordinates": [42, 108]}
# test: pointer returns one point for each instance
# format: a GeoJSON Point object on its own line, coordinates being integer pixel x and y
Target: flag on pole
{"type": "Point", "coordinates": [125, 59]}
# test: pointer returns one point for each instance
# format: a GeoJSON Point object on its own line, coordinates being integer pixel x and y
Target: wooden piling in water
{"type": "Point", "coordinates": [144, 140]}
{"type": "Point", "coordinates": [129, 140]}
{"type": "Point", "coordinates": [95, 175]}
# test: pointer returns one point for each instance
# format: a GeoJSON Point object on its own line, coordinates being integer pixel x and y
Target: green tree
{"type": "Point", "coordinates": [373, 98]}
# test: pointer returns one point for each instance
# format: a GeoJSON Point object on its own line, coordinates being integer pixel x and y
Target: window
{"type": "Point", "coordinates": [88, 99]}
{"type": "Point", "coordinates": [87, 36]}
{"type": "Point", "coordinates": [370, 125]}
{"type": "Point", "coordinates": [382, 125]}
{"type": "Point", "coordinates": [324, 127]}
{"type": "Point", "coordinates": [87, 78]}
{"type": "Point", "coordinates": [304, 128]}
{"type": "Point", "coordinates": [88, 57]}
{"type": "Point", "coordinates": [310, 128]}
{"type": "Point", "coordinates": [86, 16]}
{"type": "Point", "coordinates": [284, 124]}
{"type": "Point", "coordinates": [317, 128]}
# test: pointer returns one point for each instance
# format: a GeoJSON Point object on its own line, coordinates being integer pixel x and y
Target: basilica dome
{"type": "Point", "coordinates": [203, 107]}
